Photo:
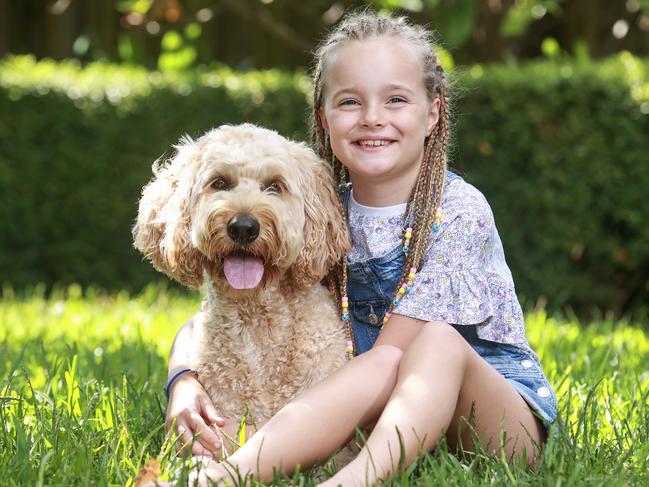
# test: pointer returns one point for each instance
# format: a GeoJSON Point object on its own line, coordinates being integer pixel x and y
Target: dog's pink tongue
{"type": "Point", "coordinates": [243, 272]}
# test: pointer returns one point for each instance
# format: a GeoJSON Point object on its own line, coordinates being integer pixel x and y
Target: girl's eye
{"type": "Point", "coordinates": [220, 184]}
{"type": "Point", "coordinates": [396, 99]}
{"type": "Point", "coordinates": [348, 102]}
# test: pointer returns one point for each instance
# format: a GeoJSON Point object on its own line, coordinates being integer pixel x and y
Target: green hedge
{"type": "Point", "coordinates": [561, 152]}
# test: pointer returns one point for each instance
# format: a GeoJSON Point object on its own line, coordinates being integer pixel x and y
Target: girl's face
{"type": "Point", "coordinates": [377, 113]}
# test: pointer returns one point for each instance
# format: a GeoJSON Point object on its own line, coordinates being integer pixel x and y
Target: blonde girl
{"type": "Point", "coordinates": [433, 319]}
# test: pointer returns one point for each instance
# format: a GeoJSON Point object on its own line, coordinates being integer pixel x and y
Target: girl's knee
{"type": "Point", "coordinates": [441, 338]}
{"type": "Point", "coordinates": [384, 356]}
{"type": "Point", "coordinates": [441, 334]}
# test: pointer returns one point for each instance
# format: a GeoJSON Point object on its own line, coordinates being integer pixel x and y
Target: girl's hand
{"type": "Point", "coordinates": [193, 412]}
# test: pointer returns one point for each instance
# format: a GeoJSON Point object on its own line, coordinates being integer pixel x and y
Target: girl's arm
{"type": "Point", "coordinates": [190, 409]}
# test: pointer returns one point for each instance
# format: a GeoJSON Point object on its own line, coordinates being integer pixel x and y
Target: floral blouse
{"type": "Point", "coordinates": [463, 279]}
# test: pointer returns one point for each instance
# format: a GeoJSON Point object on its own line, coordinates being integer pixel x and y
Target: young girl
{"type": "Point", "coordinates": [437, 330]}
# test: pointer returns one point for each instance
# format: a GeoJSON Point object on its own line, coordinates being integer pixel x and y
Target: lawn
{"type": "Point", "coordinates": [81, 399]}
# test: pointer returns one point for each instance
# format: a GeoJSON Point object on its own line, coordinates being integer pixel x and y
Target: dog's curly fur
{"type": "Point", "coordinates": [257, 348]}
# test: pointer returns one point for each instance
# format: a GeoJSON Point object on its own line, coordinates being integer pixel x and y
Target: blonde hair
{"type": "Point", "coordinates": [425, 197]}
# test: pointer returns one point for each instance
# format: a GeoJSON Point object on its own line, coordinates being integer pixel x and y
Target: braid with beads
{"type": "Point", "coordinates": [423, 207]}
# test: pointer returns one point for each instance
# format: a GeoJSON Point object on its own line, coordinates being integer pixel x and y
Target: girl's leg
{"type": "Point", "coordinates": [313, 425]}
{"type": "Point", "coordinates": [442, 382]}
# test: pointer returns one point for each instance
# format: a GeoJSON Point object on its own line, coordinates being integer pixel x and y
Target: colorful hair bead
{"type": "Point", "coordinates": [406, 240]}
{"type": "Point", "coordinates": [344, 303]}
{"type": "Point", "coordinates": [437, 219]}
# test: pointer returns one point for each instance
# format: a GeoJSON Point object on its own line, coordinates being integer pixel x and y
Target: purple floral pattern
{"type": "Point", "coordinates": [464, 279]}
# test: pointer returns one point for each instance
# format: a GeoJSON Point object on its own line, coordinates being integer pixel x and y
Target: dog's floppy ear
{"type": "Point", "coordinates": [326, 237]}
{"type": "Point", "coordinates": [162, 230]}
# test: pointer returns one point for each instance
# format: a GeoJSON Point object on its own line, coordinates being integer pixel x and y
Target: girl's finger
{"type": "Point", "coordinates": [204, 434]}
{"type": "Point", "coordinates": [211, 413]}
{"type": "Point", "coordinates": [200, 450]}
{"type": "Point", "coordinates": [177, 419]}
{"type": "Point", "coordinates": [184, 440]}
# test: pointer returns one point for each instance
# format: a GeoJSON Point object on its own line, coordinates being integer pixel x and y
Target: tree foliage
{"type": "Point", "coordinates": [179, 34]}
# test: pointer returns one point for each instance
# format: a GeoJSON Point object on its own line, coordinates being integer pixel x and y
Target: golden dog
{"type": "Point", "coordinates": [256, 218]}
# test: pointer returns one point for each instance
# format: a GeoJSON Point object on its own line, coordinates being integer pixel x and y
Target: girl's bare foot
{"type": "Point", "coordinates": [344, 478]}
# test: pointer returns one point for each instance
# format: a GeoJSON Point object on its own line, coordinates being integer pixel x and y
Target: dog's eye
{"type": "Point", "coordinates": [220, 184]}
{"type": "Point", "coordinates": [274, 187]}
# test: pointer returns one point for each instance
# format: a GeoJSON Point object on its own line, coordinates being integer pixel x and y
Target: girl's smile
{"type": "Point", "coordinates": [377, 113]}
{"type": "Point", "coordinates": [369, 144]}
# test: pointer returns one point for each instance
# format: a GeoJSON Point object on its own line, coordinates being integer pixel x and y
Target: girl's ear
{"type": "Point", "coordinates": [433, 116]}
{"type": "Point", "coordinates": [323, 119]}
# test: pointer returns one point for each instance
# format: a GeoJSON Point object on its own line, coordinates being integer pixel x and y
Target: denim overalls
{"type": "Point", "coordinates": [370, 286]}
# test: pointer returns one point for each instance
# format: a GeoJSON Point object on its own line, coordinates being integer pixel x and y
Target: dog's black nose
{"type": "Point", "coordinates": [243, 228]}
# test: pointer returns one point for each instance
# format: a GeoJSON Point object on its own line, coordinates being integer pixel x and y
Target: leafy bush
{"type": "Point", "coordinates": [561, 153]}
{"type": "Point", "coordinates": [559, 150]}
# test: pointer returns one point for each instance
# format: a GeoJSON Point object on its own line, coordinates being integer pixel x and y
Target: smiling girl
{"type": "Point", "coordinates": [437, 331]}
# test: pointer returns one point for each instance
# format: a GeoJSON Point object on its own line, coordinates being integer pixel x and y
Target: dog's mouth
{"type": "Point", "coordinates": [243, 271]}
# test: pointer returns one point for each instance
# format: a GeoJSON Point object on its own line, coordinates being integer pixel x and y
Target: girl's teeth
{"type": "Point", "coordinates": [373, 143]}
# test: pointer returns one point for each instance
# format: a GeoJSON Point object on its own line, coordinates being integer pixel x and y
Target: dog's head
{"type": "Point", "coordinates": [245, 207]}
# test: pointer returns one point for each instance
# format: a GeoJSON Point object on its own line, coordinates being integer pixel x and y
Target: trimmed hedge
{"type": "Point", "coordinates": [559, 150]}
{"type": "Point", "coordinates": [562, 154]}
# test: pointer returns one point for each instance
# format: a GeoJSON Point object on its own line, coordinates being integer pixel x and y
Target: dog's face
{"type": "Point", "coordinates": [248, 209]}
{"type": "Point", "coordinates": [245, 207]}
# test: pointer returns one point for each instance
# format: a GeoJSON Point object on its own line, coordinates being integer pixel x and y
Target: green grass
{"type": "Point", "coordinates": [81, 399]}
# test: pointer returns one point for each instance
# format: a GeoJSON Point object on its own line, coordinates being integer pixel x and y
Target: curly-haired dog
{"type": "Point", "coordinates": [256, 216]}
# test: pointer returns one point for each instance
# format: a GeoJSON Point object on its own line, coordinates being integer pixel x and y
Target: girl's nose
{"type": "Point", "coordinates": [373, 115]}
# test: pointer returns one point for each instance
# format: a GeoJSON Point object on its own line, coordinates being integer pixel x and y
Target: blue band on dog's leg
{"type": "Point", "coordinates": [173, 378]}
